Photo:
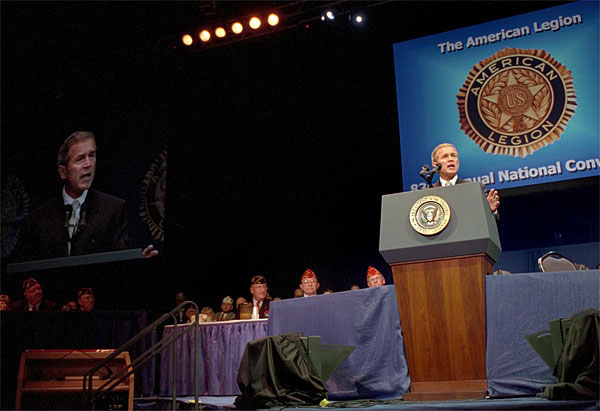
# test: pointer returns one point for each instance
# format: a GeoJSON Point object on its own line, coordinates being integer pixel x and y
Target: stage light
{"type": "Point", "coordinates": [254, 23]}
{"type": "Point", "coordinates": [357, 18]}
{"type": "Point", "coordinates": [220, 32]}
{"type": "Point", "coordinates": [273, 19]}
{"type": "Point", "coordinates": [204, 35]}
{"type": "Point", "coordinates": [330, 15]}
{"type": "Point", "coordinates": [237, 27]}
{"type": "Point", "coordinates": [187, 40]}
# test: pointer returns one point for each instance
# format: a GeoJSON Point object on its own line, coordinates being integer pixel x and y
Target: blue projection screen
{"type": "Point", "coordinates": [518, 97]}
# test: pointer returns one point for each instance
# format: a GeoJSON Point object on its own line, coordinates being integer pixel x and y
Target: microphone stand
{"type": "Point", "coordinates": [427, 174]}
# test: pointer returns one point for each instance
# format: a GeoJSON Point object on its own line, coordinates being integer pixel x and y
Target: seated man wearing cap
{"type": "Point", "coordinates": [258, 289]}
{"type": "Point", "coordinates": [226, 313]}
{"type": "Point", "coordinates": [5, 304]}
{"type": "Point", "coordinates": [85, 299]}
{"type": "Point", "coordinates": [374, 278]}
{"type": "Point", "coordinates": [34, 298]}
{"type": "Point", "coordinates": [309, 283]}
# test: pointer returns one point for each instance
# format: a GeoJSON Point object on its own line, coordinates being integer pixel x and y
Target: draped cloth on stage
{"type": "Point", "coordinates": [277, 371]}
{"type": "Point", "coordinates": [521, 304]}
{"type": "Point", "coordinates": [366, 319]}
{"type": "Point", "coordinates": [577, 364]}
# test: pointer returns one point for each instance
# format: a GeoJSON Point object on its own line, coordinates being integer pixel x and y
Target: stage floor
{"type": "Point", "coordinates": [521, 403]}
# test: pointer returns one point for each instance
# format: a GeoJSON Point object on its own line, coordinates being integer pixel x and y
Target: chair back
{"type": "Point", "coordinates": [553, 261]}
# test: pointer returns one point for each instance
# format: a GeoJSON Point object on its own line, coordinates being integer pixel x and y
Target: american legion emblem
{"type": "Point", "coordinates": [429, 215]}
{"type": "Point", "coordinates": [153, 195]}
{"type": "Point", "coordinates": [516, 102]}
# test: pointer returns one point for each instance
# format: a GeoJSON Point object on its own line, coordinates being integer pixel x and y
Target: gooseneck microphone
{"type": "Point", "coordinates": [427, 174]}
{"type": "Point", "coordinates": [68, 212]}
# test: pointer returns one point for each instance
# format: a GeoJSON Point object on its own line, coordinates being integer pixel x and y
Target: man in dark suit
{"type": "Point", "coordinates": [258, 289]}
{"type": "Point", "coordinates": [445, 157]}
{"type": "Point", "coordinates": [34, 298]}
{"type": "Point", "coordinates": [79, 220]}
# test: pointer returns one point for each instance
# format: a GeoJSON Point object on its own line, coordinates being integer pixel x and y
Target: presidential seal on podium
{"type": "Point", "coordinates": [429, 215]}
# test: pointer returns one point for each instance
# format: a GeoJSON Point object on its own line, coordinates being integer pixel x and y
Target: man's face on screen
{"type": "Point", "coordinates": [81, 168]}
{"type": "Point", "coordinates": [448, 158]}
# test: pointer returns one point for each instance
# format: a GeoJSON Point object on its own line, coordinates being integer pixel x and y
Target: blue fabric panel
{"type": "Point", "coordinates": [367, 319]}
{"type": "Point", "coordinates": [221, 347]}
{"type": "Point", "coordinates": [525, 261]}
{"type": "Point", "coordinates": [521, 304]}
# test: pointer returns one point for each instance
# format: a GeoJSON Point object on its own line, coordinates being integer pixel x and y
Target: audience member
{"type": "Point", "coordinates": [354, 287]}
{"type": "Point", "coordinates": [309, 283]}
{"type": "Point", "coordinates": [180, 314]}
{"type": "Point", "coordinates": [328, 291]}
{"type": "Point", "coordinates": [258, 289]}
{"type": "Point", "coordinates": [298, 293]}
{"type": "Point", "coordinates": [226, 313]}
{"type": "Point", "coordinates": [85, 299]}
{"type": "Point", "coordinates": [374, 278]}
{"type": "Point", "coordinates": [190, 314]}
{"type": "Point", "coordinates": [277, 299]}
{"type": "Point", "coordinates": [34, 298]}
{"type": "Point", "coordinates": [4, 302]}
{"type": "Point", "coordinates": [209, 312]}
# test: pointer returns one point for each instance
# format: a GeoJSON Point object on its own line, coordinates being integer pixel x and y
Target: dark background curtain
{"type": "Point", "coordinates": [280, 147]}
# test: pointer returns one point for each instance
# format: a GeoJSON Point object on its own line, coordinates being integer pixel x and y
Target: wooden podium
{"type": "Point", "coordinates": [53, 379]}
{"type": "Point", "coordinates": [440, 286]}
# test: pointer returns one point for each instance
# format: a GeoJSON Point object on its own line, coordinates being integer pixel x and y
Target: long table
{"type": "Point", "coordinates": [516, 305]}
{"type": "Point", "coordinates": [221, 347]}
{"type": "Point", "coordinates": [521, 304]}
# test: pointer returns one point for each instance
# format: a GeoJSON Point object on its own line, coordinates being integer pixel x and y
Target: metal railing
{"type": "Point", "coordinates": [92, 395]}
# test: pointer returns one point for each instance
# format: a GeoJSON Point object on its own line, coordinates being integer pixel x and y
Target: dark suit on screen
{"type": "Point", "coordinates": [44, 234]}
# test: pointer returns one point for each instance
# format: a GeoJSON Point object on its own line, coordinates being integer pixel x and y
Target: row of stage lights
{"type": "Point", "coordinates": [237, 28]}
{"type": "Point", "coordinates": [254, 23]}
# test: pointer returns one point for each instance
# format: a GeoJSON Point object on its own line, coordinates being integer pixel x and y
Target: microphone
{"type": "Point", "coordinates": [68, 212]}
{"type": "Point", "coordinates": [436, 168]}
{"type": "Point", "coordinates": [81, 223]}
{"type": "Point", "coordinates": [424, 171]}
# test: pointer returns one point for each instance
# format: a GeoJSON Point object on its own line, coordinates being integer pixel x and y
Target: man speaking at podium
{"type": "Point", "coordinates": [444, 158]}
{"type": "Point", "coordinates": [79, 220]}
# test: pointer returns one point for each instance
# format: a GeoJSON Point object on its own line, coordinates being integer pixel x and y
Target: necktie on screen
{"type": "Point", "coordinates": [74, 218]}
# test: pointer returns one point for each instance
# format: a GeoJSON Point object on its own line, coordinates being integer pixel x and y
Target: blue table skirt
{"type": "Point", "coordinates": [221, 347]}
{"type": "Point", "coordinates": [521, 304]}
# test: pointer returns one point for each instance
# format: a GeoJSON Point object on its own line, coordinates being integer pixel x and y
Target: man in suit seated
{"type": "Point", "coordinates": [258, 289]}
{"type": "Point", "coordinates": [85, 299]}
{"type": "Point", "coordinates": [374, 278]}
{"type": "Point", "coordinates": [79, 220]}
{"type": "Point", "coordinates": [445, 157]}
{"type": "Point", "coordinates": [309, 283]}
{"type": "Point", "coordinates": [34, 298]}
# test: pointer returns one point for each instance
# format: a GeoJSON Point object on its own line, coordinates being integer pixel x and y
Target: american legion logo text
{"type": "Point", "coordinates": [516, 102]}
